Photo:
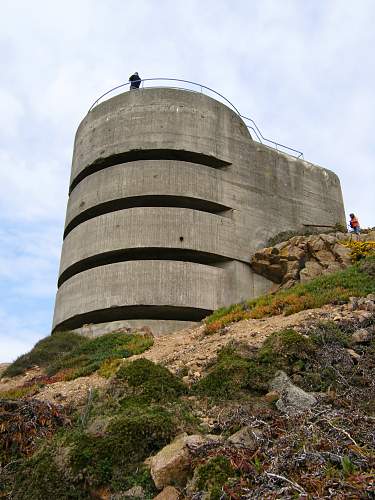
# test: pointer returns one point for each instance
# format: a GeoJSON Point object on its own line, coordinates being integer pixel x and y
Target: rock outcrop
{"type": "Point", "coordinates": [303, 258]}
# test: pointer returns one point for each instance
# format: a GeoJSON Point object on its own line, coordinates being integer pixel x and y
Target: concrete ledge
{"type": "Point", "coordinates": [140, 283]}
{"type": "Point", "coordinates": [148, 154]}
{"type": "Point", "coordinates": [112, 188]}
{"type": "Point", "coordinates": [162, 227]}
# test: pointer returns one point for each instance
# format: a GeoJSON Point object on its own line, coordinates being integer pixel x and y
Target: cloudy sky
{"type": "Point", "coordinates": [303, 69]}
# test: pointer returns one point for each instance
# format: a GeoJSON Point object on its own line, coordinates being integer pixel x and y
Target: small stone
{"type": "Point", "coordinates": [353, 354]}
{"type": "Point", "coordinates": [353, 303]}
{"type": "Point", "coordinates": [136, 492]}
{"type": "Point", "coordinates": [368, 305]}
{"type": "Point", "coordinates": [361, 336]}
{"type": "Point", "coordinates": [169, 493]}
{"type": "Point", "coordinates": [272, 396]}
{"type": "Point", "coordinates": [245, 438]}
{"type": "Point", "coordinates": [371, 296]}
{"type": "Point", "coordinates": [280, 382]}
{"type": "Point", "coordinates": [364, 316]}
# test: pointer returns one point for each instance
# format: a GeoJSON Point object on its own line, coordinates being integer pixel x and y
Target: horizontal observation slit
{"type": "Point", "coordinates": [134, 312]}
{"type": "Point", "coordinates": [148, 154]}
{"type": "Point", "coordinates": [198, 204]}
{"type": "Point", "coordinates": [146, 253]}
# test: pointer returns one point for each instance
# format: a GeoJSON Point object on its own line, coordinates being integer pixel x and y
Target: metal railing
{"type": "Point", "coordinates": [252, 126]}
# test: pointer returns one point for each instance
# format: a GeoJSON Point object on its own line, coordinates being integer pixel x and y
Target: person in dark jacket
{"type": "Point", "coordinates": [135, 81]}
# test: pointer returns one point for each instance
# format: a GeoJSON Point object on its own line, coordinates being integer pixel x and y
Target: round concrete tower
{"type": "Point", "coordinates": [169, 197]}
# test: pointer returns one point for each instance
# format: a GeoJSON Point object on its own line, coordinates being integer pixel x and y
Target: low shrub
{"type": "Point", "coordinates": [129, 439]}
{"type": "Point", "coordinates": [285, 348]}
{"type": "Point", "coordinates": [19, 392]}
{"type": "Point", "coordinates": [234, 373]}
{"type": "Point", "coordinates": [212, 475]}
{"type": "Point", "coordinates": [150, 382]}
{"type": "Point", "coordinates": [39, 478]}
{"type": "Point", "coordinates": [368, 266]}
{"type": "Point", "coordinates": [90, 356]}
{"type": "Point", "coordinates": [23, 424]}
{"type": "Point", "coordinates": [45, 352]}
{"type": "Point", "coordinates": [328, 333]}
{"type": "Point", "coordinates": [360, 249]}
{"type": "Point", "coordinates": [226, 378]}
{"type": "Point", "coordinates": [109, 367]}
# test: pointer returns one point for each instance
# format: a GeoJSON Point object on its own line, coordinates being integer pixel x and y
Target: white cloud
{"type": "Point", "coordinates": [30, 189]}
{"type": "Point", "coordinates": [11, 112]}
{"type": "Point", "coordinates": [17, 335]}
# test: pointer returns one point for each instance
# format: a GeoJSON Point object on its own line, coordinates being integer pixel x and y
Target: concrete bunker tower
{"type": "Point", "coordinates": [169, 197]}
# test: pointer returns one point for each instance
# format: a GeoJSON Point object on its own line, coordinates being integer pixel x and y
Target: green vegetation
{"type": "Point", "coordinates": [212, 475]}
{"type": "Point", "coordinates": [106, 449]}
{"type": "Point", "coordinates": [40, 478]}
{"type": "Point", "coordinates": [73, 356]}
{"type": "Point", "coordinates": [328, 333]}
{"type": "Point", "coordinates": [45, 352]}
{"type": "Point", "coordinates": [233, 373]}
{"type": "Point", "coordinates": [91, 355]}
{"type": "Point", "coordinates": [356, 280]}
{"type": "Point", "coordinates": [368, 266]}
{"type": "Point", "coordinates": [131, 436]}
{"type": "Point", "coordinates": [19, 392]}
{"type": "Point", "coordinates": [312, 358]}
{"type": "Point", "coordinates": [149, 382]}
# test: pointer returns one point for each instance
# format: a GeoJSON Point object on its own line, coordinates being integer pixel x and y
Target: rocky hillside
{"type": "Point", "coordinates": [273, 398]}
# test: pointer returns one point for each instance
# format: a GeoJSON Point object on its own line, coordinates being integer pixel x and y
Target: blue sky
{"type": "Point", "coordinates": [304, 70]}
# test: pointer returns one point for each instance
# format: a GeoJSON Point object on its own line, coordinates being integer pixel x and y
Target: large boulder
{"type": "Point", "coordinates": [293, 399]}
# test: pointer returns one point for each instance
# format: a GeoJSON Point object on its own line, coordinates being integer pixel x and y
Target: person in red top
{"type": "Point", "coordinates": [354, 224]}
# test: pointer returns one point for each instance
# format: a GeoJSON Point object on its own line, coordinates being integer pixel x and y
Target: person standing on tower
{"type": "Point", "coordinates": [135, 81]}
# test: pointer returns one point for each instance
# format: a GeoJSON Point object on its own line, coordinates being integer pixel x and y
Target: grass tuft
{"type": "Point", "coordinates": [150, 382]}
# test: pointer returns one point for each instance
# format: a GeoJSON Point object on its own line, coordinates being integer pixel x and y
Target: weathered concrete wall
{"type": "Point", "coordinates": [169, 198]}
